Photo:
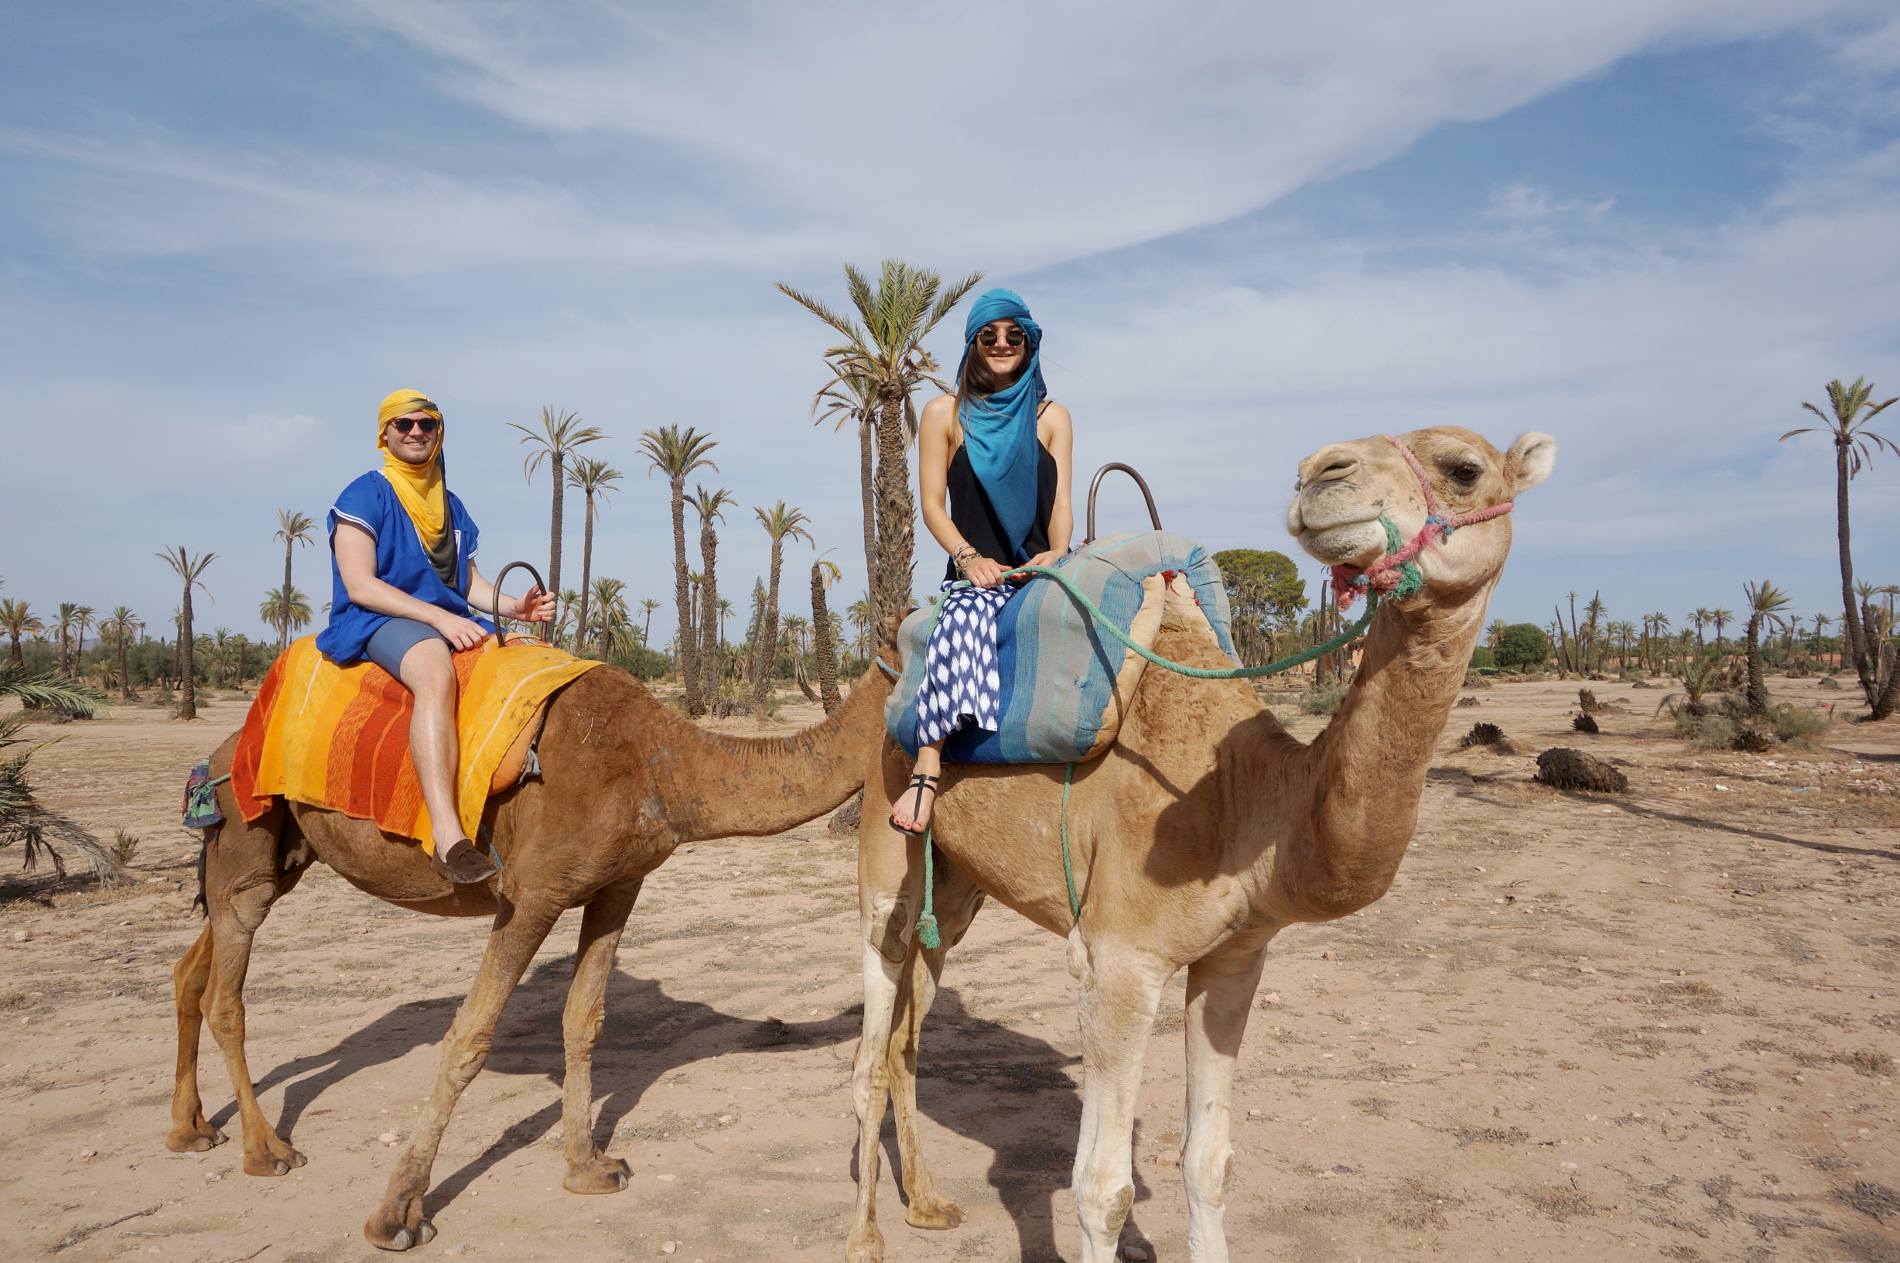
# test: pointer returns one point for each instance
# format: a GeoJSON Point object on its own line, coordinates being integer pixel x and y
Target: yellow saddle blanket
{"type": "Point", "coordinates": [338, 737]}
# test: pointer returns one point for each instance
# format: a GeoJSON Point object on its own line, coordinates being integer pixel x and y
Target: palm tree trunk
{"type": "Point", "coordinates": [1757, 685]}
{"type": "Point", "coordinates": [283, 632]}
{"type": "Point", "coordinates": [867, 482]}
{"type": "Point", "coordinates": [895, 511]}
{"type": "Point", "coordinates": [587, 571]}
{"type": "Point", "coordinates": [688, 660]}
{"type": "Point", "coordinates": [15, 655]}
{"type": "Point", "coordinates": [1853, 634]}
{"type": "Point", "coordinates": [554, 541]}
{"type": "Point", "coordinates": [709, 655]}
{"type": "Point", "coordinates": [768, 630]}
{"type": "Point", "coordinates": [125, 680]}
{"type": "Point", "coordinates": [821, 640]}
{"type": "Point", "coordinates": [187, 666]}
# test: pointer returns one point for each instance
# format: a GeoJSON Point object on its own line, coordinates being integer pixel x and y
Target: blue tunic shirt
{"type": "Point", "coordinates": [371, 503]}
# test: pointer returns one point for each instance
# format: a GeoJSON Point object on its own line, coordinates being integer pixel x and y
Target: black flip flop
{"type": "Point", "coordinates": [920, 783]}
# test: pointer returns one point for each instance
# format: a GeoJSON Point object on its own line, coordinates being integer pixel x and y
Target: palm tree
{"type": "Point", "coordinates": [190, 569]}
{"type": "Point", "coordinates": [1820, 634]}
{"type": "Point", "coordinates": [823, 574]}
{"type": "Point", "coordinates": [554, 442]}
{"type": "Point", "coordinates": [647, 606]}
{"type": "Point", "coordinates": [1764, 601]}
{"type": "Point", "coordinates": [886, 355]}
{"type": "Point", "coordinates": [859, 614]}
{"type": "Point", "coordinates": [83, 621]}
{"type": "Point", "coordinates": [293, 528]}
{"type": "Point", "coordinates": [1699, 620]}
{"type": "Point", "coordinates": [711, 668]}
{"type": "Point", "coordinates": [677, 453]}
{"type": "Point", "coordinates": [725, 612]}
{"type": "Point", "coordinates": [1623, 632]}
{"type": "Point", "coordinates": [17, 620]}
{"type": "Point", "coordinates": [286, 609]}
{"type": "Point", "coordinates": [610, 611]}
{"type": "Point", "coordinates": [67, 611]}
{"type": "Point", "coordinates": [1594, 613]}
{"type": "Point", "coordinates": [1721, 618]}
{"type": "Point", "coordinates": [117, 630]}
{"type": "Point", "coordinates": [780, 522]}
{"type": "Point", "coordinates": [594, 478]}
{"type": "Point", "coordinates": [1494, 632]}
{"type": "Point", "coordinates": [854, 399]}
{"type": "Point", "coordinates": [1854, 447]}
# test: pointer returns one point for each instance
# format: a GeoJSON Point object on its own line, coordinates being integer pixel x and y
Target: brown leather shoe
{"type": "Point", "coordinates": [464, 865]}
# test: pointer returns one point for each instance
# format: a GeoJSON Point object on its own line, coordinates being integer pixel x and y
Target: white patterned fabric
{"type": "Point", "coordinates": [961, 683]}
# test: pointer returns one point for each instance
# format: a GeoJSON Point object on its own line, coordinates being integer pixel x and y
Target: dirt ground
{"type": "Point", "coordinates": [1642, 1026]}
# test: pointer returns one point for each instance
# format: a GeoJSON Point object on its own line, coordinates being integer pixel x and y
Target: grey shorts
{"type": "Point", "coordinates": [394, 639]}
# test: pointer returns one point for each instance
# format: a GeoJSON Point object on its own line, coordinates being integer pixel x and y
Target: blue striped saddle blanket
{"type": "Point", "coordinates": [1065, 681]}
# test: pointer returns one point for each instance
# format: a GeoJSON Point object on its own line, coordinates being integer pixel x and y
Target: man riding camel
{"type": "Point", "coordinates": [402, 552]}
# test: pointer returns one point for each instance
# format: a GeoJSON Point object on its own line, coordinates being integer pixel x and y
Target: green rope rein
{"type": "Point", "coordinates": [1410, 581]}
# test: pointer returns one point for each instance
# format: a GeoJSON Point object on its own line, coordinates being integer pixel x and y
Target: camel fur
{"type": "Point", "coordinates": [1200, 835]}
{"type": "Point", "coordinates": [625, 780]}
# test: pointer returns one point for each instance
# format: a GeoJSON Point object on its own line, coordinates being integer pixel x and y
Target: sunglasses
{"type": "Point", "coordinates": [405, 424]}
{"type": "Point", "coordinates": [987, 337]}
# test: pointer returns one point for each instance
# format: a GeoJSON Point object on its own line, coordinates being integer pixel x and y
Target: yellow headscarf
{"type": "Point", "coordinates": [418, 487]}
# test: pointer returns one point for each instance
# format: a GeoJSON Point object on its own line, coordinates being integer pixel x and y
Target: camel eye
{"type": "Point", "coordinates": [1465, 475]}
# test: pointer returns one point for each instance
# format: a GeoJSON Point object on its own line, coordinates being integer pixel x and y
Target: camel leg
{"type": "Point", "coordinates": [235, 917]}
{"type": "Point", "coordinates": [1118, 1002]}
{"type": "Point", "coordinates": [884, 912]}
{"type": "Point", "coordinates": [191, 1132]}
{"type": "Point", "coordinates": [1220, 993]}
{"type": "Point", "coordinates": [956, 903]}
{"type": "Point", "coordinates": [588, 1170]}
{"type": "Point", "coordinates": [519, 932]}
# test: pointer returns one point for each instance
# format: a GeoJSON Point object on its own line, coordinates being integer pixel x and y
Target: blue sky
{"type": "Point", "coordinates": [1651, 230]}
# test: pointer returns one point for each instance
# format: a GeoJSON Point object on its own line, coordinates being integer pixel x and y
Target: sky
{"type": "Point", "coordinates": [1649, 229]}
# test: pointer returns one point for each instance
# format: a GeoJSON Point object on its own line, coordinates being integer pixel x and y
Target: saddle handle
{"type": "Point", "coordinates": [1095, 485]}
{"type": "Point", "coordinates": [494, 613]}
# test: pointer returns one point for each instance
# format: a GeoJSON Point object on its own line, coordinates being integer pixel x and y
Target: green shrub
{"type": "Point", "coordinates": [1324, 699]}
{"type": "Point", "coordinates": [639, 661]}
{"type": "Point", "coordinates": [1482, 657]}
{"type": "Point", "coordinates": [1798, 725]}
{"type": "Point", "coordinates": [1521, 646]}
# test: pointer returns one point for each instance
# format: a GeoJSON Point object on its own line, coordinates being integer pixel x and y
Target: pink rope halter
{"type": "Point", "coordinates": [1388, 573]}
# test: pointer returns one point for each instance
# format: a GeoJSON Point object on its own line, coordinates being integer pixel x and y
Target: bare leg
{"type": "Point", "coordinates": [1220, 993]}
{"type": "Point", "coordinates": [956, 904]}
{"type": "Point", "coordinates": [428, 672]}
{"type": "Point", "coordinates": [910, 813]}
{"type": "Point", "coordinates": [588, 1170]}
{"type": "Point", "coordinates": [1119, 993]}
{"type": "Point", "coordinates": [519, 931]}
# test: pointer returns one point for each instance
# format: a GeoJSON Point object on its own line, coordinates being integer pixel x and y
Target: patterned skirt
{"type": "Point", "coordinates": [961, 684]}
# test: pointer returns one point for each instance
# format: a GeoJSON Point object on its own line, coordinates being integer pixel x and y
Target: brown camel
{"type": "Point", "coordinates": [624, 780]}
{"type": "Point", "coordinates": [1203, 832]}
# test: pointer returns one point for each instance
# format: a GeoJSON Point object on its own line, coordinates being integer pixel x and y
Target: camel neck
{"type": "Point", "coordinates": [1367, 769]}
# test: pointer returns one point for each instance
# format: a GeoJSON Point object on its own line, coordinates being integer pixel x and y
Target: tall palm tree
{"type": "Point", "coordinates": [1721, 618]}
{"type": "Point", "coordinates": [286, 609]}
{"type": "Point", "coordinates": [779, 522]}
{"type": "Point", "coordinates": [1659, 623]}
{"type": "Point", "coordinates": [1594, 614]}
{"type": "Point", "coordinates": [84, 619]}
{"type": "Point", "coordinates": [677, 453]}
{"type": "Point", "coordinates": [854, 399]}
{"type": "Point", "coordinates": [647, 606]}
{"type": "Point", "coordinates": [886, 354]}
{"type": "Point", "coordinates": [859, 612]}
{"type": "Point", "coordinates": [190, 569]}
{"type": "Point", "coordinates": [1699, 620]}
{"type": "Point", "coordinates": [1855, 446]}
{"type": "Point", "coordinates": [824, 573]}
{"type": "Point", "coordinates": [711, 667]}
{"type": "Point", "coordinates": [554, 442]}
{"type": "Point", "coordinates": [1765, 600]}
{"type": "Point", "coordinates": [17, 620]}
{"type": "Point", "coordinates": [118, 630]}
{"type": "Point", "coordinates": [725, 612]}
{"type": "Point", "coordinates": [64, 630]}
{"type": "Point", "coordinates": [1494, 632]}
{"type": "Point", "coordinates": [593, 478]}
{"type": "Point", "coordinates": [1817, 645]}
{"type": "Point", "coordinates": [293, 528]}
{"type": "Point", "coordinates": [610, 611]}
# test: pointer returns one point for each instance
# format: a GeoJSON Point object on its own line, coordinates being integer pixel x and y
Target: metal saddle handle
{"type": "Point", "coordinates": [494, 613]}
{"type": "Point", "coordinates": [1096, 484]}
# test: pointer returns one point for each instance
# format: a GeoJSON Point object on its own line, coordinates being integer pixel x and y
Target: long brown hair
{"type": "Point", "coordinates": [974, 376]}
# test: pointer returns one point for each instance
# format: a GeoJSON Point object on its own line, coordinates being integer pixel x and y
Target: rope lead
{"type": "Point", "coordinates": [927, 933]}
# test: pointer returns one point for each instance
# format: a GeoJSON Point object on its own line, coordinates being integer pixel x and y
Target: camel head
{"type": "Point", "coordinates": [1345, 488]}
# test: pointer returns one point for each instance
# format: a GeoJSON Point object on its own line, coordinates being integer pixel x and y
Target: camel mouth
{"type": "Point", "coordinates": [1345, 544]}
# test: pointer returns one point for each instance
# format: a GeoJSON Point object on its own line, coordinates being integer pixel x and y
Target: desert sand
{"type": "Point", "coordinates": [1656, 1025]}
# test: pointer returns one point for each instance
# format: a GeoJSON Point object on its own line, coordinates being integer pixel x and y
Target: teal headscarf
{"type": "Point", "coordinates": [1000, 429]}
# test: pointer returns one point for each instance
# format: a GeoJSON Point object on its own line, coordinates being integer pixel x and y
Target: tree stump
{"type": "Point", "coordinates": [1564, 768]}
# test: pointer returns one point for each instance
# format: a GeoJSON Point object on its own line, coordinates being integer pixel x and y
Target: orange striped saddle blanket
{"type": "Point", "coordinates": [338, 737]}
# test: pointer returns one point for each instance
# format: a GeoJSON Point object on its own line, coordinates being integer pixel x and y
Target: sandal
{"type": "Point", "coordinates": [463, 865]}
{"type": "Point", "coordinates": [919, 782]}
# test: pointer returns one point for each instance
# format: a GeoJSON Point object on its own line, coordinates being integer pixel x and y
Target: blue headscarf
{"type": "Point", "coordinates": [1000, 430]}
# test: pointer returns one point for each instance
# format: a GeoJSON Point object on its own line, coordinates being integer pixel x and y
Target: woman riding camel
{"type": "Point", "coordinates": [402, 552]}
{"type": "Point", "coordinates": [999, 450]}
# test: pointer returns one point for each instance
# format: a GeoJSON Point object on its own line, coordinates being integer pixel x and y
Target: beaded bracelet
{"type": "Point", "coordinates": [961, 561]}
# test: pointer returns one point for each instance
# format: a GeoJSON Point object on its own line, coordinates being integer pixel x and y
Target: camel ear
{"type": "Point", "coordinates": [1531, 458]}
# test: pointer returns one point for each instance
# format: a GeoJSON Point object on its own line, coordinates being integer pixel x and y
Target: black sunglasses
{"type": "Point", "coordinates": [405, 424]}
{"type": "Point", "coordinates": [988, 337]}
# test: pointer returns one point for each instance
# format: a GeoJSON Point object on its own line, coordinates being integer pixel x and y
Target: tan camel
{"type": "Point", "coordinates": [1202, 833]}
{"type": "Point", "coordinates": [624, 780]}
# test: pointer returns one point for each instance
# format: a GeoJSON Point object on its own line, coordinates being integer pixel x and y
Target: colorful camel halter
{"type": "Point", "coordinates": [1396, 574]}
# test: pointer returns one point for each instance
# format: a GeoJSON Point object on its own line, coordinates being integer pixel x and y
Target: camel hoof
{"type": "Point", "coordinates": [933, 1214]}
{"type": "Point", "coordinates": [425, 1232]}
{"type": "Point", "coordinates": [401, 1241]}
{"type": "Point", "coordinates": [195, 1141]}
{"type": "Point", "coordinates": [606, 1175]}
{"type": "Point", "coordinates": [403, 1238]}
{"type": "Point", "coordinates": [865, 1246]}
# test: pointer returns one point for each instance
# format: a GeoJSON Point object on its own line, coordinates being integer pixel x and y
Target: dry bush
{"type": "Point", "coordinates": [1585, 722]}
{"type": "Point", "coordinates": [1467, 700]}
{"type": "Point", "coordinates": [1482, 734]}
{"type": "Point", "coordinates": [1324, 699]}
{"type": "Point", "coordinates": [1564, 768]}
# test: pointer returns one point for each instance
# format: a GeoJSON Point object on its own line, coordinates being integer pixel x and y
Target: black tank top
{"type": "Point", "coordinates": [976, 520]}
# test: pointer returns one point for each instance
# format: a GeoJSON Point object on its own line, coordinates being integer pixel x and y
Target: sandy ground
{"type": "Point", "coordinates": [1659, 1025]}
